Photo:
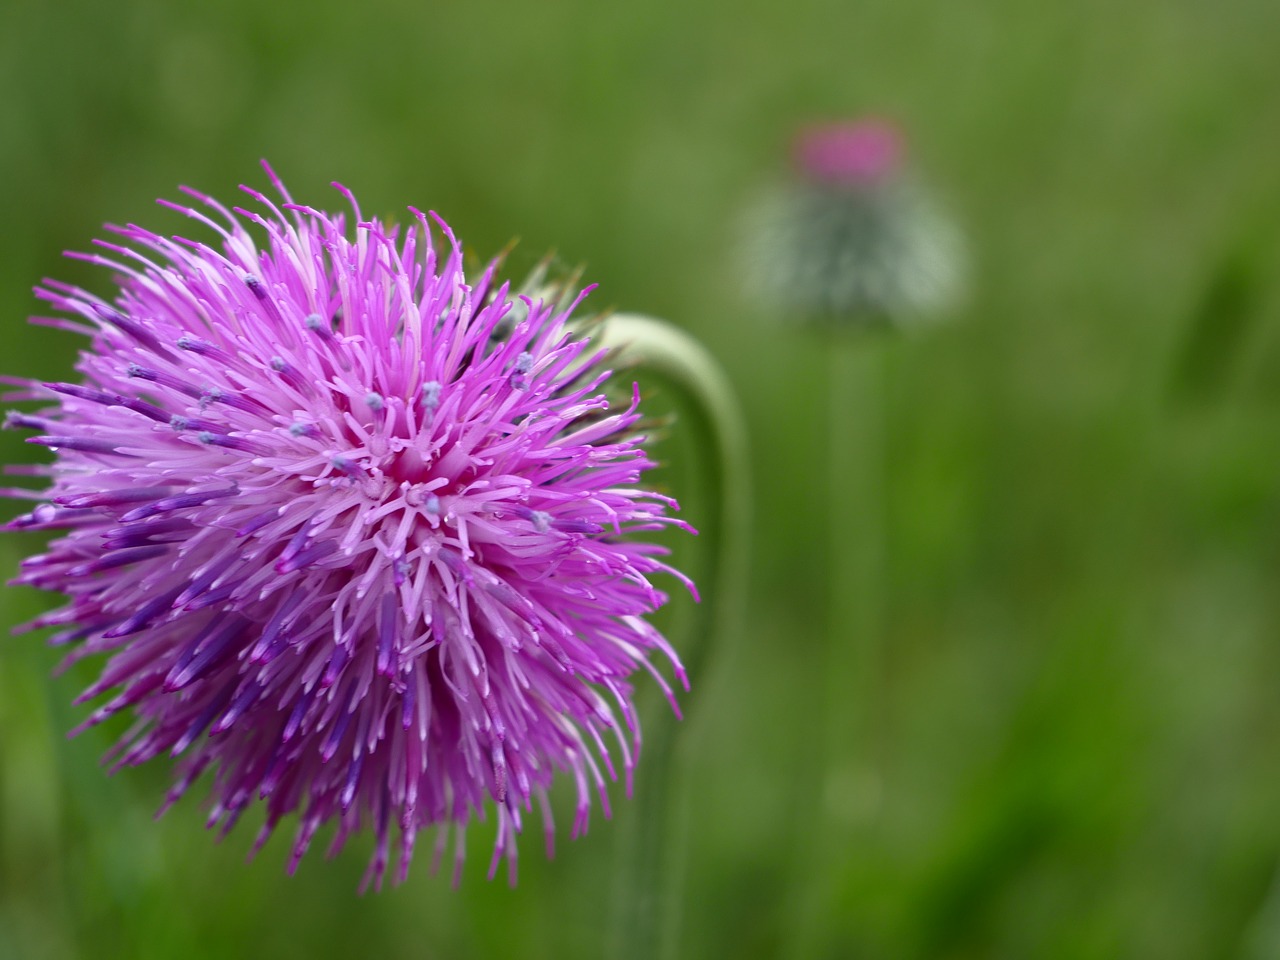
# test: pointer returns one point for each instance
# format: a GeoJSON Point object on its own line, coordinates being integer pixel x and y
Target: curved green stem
{"type": "Point", "coordinates": [651, 873]}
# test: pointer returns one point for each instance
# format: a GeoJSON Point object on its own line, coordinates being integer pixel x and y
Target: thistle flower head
{"type": "Point", "coordinates": [858, 153]}
{"type": "Point", "coordinates": [851, 240]}
{"type": "Point", "coordinates": [355, 542]}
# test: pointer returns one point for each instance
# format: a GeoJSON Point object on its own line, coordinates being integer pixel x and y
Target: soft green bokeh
{"type": "Point", "coordinates": [1077, 715]}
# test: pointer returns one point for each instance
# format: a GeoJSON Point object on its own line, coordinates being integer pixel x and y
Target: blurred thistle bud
{"type": "Point", "coordinates": [852, 238]}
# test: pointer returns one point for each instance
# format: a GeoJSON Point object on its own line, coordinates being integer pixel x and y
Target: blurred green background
{"type": "Point", "coordinates": [1077, 727]}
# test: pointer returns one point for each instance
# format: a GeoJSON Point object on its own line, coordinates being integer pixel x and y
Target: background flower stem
{"type": "Point", "coordinates": [653, 837]}
{"type": "Point", "coordinates": [848, 794]}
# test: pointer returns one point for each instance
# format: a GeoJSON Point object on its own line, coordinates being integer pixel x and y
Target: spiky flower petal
{"type": "Point", "coordinates": [356, 533]}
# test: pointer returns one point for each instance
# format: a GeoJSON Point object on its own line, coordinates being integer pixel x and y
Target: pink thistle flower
{"type": "Point", "coordinates": [858, 153]}
{"type": "Point", "coordinates": [355, 533]}
{"type": "Point", "coordinates": [851, 239]}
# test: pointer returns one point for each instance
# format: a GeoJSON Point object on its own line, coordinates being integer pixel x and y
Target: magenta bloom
{"type": "Point", "coordinates": [354, 531]}
{"type": "Point", "coordinates": [858, 153]}
{"type": "Point", "coordinates": [852, 240]}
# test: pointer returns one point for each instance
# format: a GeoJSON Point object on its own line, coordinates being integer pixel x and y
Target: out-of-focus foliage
{"type": "Point", "coordinates": [1078, 733]}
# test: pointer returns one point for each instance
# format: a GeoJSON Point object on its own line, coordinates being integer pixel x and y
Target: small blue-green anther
{"type": "Point", "coordinates": [352, 470]}
{"type": "Point", "coordinates": [431, 394]}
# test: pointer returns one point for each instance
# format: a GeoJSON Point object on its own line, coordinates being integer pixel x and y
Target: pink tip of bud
{"type": "Point", "coordinates": [855, 153]}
